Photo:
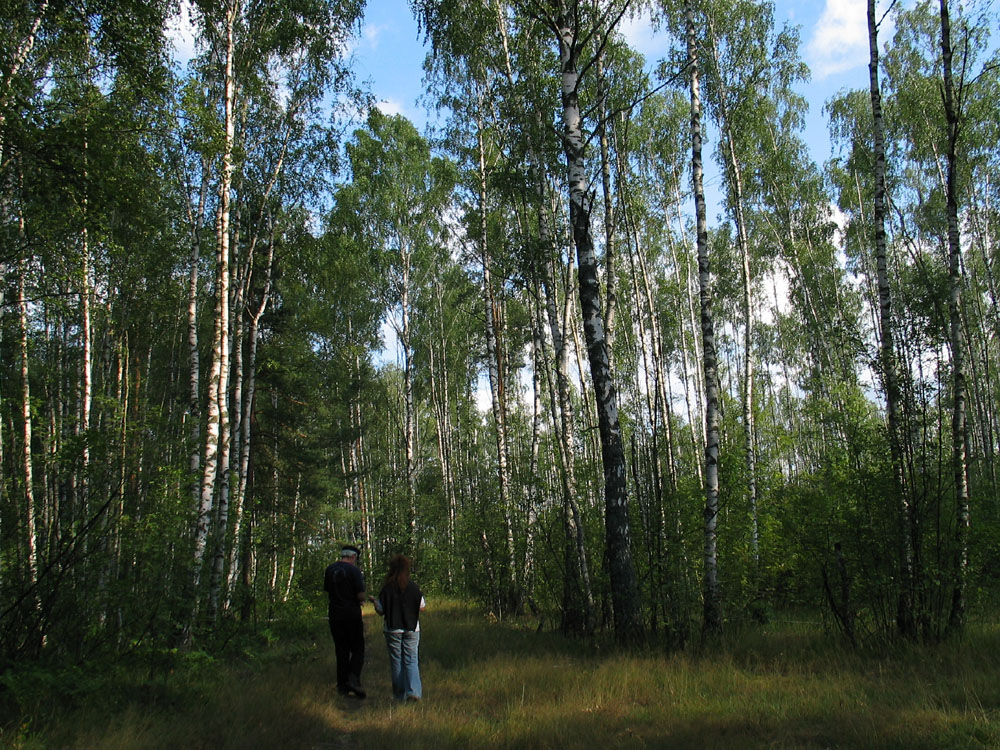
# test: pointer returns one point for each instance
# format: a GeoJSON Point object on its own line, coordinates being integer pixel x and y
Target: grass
{"type": "Point", "coordinates": [489, 685]}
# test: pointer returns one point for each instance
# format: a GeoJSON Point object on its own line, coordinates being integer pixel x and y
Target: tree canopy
{"type": "Point", "coordinates": [248, 317]}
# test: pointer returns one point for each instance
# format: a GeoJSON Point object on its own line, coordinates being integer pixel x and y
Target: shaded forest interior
{"type": "Point", "coordinates": [248, 317]}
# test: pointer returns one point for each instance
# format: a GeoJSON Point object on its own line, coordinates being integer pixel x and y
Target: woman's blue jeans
{"type": "Point", "coordinates": [403, 664]}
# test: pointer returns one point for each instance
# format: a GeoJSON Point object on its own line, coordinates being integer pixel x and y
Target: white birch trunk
{"type": "Point", "coordinates": [905, 616]}
{"type": "Point", "coordinates": [624, 589]}
{"type": "Point", "coordinates": [495, 367]}
{"type": "Point", "coordinates": [242, 394]}
{"type": "Point", "coordinates": [441, 405]}
{"type": "Point", "coordinates": [712, 614]}
{"type": "Point", "coordinates": [692, 374]}
{"type": "Point", "coordinates": [409, 408]}
{"type": "Point", "coordinates": [960, 435]}
{"type": "Point", "coordinates": [195, 219]}
{"type": "Point", "coordinates": [27, 477]}
{"type": "Point", "coordinates": [610, 283]}
{"type": "Point", "coordinates": [217, 431]}
{"type": "Point", "coordinates": [576, 552]}
{"type": "Point", "coordinates": [291, 552]}
{"type": "Point", "coordinates": [735, 179]}
{"type": "Point", "coordinates": [87, 370]}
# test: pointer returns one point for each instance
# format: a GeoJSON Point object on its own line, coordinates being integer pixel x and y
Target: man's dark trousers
{"type": "Point", "coordinates": [349, 643]}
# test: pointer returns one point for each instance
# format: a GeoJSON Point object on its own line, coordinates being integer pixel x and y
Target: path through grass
{"type": "Point", "coordinates": [489, 685]}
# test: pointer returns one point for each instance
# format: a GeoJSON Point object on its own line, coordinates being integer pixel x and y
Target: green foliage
{"type": "Point", "coordinates": [106, 154]}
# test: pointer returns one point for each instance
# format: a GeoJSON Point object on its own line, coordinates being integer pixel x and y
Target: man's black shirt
{"type": "Point", "coordinates": [343, 582]}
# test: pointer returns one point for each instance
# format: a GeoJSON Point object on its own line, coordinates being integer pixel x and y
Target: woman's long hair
{"type": "Point", "coordinates": [399, 572]}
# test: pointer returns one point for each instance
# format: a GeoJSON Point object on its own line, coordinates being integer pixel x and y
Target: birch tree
{"type": "Point", "coordinates": [401, 192]}
{"type": "Point", "coordinates": [887, 349]}
{"type": "Point", "coordinates": [567, 22]}
{"type": "Point", "coordinates": [953, 96]}
{"type": "Point", "coordinates": [712, 615]}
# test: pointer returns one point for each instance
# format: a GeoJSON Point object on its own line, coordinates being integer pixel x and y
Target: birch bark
{"type": "Point", "coordinates": [624, 589]}
{"type": "Point", "coordinates": [960, 435]}
{"type": "Point", "coordinates": [27, 476]}
{"type": "Point", "coordinates": [217, 432]}
{"type": "Point", "coordinates": [905, 614]}
{"type": "Point", "coordinates": [734, 175]}
{"type": "Point", "coordinates": [495, 366]}
{"type": "Point", "coordinates": [712, 613]}
{"type": "Point", "coordinates": [410, 415]}
{"type": "Point", "coordinates": [576, 549]}
{"type": "Point", "coordinates": [195, 219]}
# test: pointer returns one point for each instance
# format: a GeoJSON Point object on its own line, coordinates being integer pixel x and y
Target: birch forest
{"type": "Point", "coordinates": [248, 317]}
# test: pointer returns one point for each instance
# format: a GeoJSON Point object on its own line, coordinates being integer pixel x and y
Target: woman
{"type": "Point", "coordinates": [400, 602]}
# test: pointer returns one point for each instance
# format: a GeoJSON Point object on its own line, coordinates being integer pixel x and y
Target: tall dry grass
{"type": "Point", "coordinates": [489, 685]}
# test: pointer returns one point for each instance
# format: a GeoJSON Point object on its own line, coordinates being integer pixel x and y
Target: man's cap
{"type": "Point", "coordinates": [349, 550]}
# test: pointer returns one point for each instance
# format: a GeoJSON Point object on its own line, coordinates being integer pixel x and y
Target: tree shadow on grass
{"type": "Point", "coordinates": [497, 685]}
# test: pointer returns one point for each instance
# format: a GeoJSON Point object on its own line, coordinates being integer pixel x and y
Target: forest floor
{"type": "Point", "coordinates": [502, 685]}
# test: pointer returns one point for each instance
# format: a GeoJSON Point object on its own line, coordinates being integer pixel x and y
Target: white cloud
{"type": "Point", "coordinates": [371, 33]}
{"type": "Point", "coordinates": [641, 36]}
{"type": "Point", "coordinates": [840, 39]}
{"type": "Point", "coordinates": [391, 351]}
{"type": "Point", "coordinates": [391, 107]}
{"type": "Point", "coordinates": [182, 34]}
{"type": "Point", "coordinates": [363, 43]}
{"type": "Point", "coordinates": [484, 399]}
{"type": "Point", "coordinates": [777, 286]}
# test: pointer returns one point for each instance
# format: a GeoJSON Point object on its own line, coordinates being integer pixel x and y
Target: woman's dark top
{"type": "Point", "coordinates": [401, 608]}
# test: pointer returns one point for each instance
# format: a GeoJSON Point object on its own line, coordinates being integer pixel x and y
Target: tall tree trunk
{"type": "Point", "coordinates": [27, 476]}
{"type": "Point", "coordinates": [291, 535]}
{"type": "Point", "coordinates": [981, 216]}
{"type": "Point", "coordinates": [87, 369]}
{"type": "Point", "coordinates": [660, 411]}
{"type": "Point", "coordinates": [195, 219]}
{"type": "Point", "coordinates": [217, 432]}
{"type": "Point", "coordinates": [495, 367]}
{"type": "Point", "coordinates": [624, 589]}
{"type": "Point", "coordinates": [906, 620]}
{"type": "Point", "coordinates": [712, 615]}
{"type": "Point", "coordinates": [692, 380]}
{"type": "Point", "coordinates": [244, 375]}
{"type": "Point", "coordinates": [244, 388]}
{"type": "Point", "coordinates": [611, 308]}
{"type": "Point", "coordinates": [734, 175]}
{"type": "Point", "coordinates": [533, 488]}
{"type": "Point", "coordinates": [441, 402]}
{"type": "Point", "coordinates": [356, 469]}
{"type": "Point", "coordinates": [578, 597]}
{"type": "Point", "coordinates": [960, 436]}
{"type": "Point", "coordinates": [410, 415]}
{"type": "Point", "coordinates": [24, 47]}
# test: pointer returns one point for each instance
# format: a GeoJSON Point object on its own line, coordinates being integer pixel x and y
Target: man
{"type": "Point", "coordinates": [345, 583]}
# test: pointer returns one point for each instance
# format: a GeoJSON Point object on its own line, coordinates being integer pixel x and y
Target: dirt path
{"type": "Point", "coordinates": [374, 678]}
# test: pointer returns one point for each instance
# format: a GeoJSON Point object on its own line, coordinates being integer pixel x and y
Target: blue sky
{"type": "Point", "coordinates": [389, 54]}
{"type": "Point", "coordinates": [834, 43]}
{"type": "Point", "coordinates": [833, 35]}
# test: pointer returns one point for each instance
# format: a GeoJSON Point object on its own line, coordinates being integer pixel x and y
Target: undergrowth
{"type": "Point", "coordinates": [502, 685]}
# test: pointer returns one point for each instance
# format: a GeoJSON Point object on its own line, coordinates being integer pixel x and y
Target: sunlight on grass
{"type": "Point", "coordinates": [494, 685]}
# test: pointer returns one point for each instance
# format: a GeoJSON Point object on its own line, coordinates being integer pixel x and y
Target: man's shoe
{"type": "Point", "coordinates": [355, 687]}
